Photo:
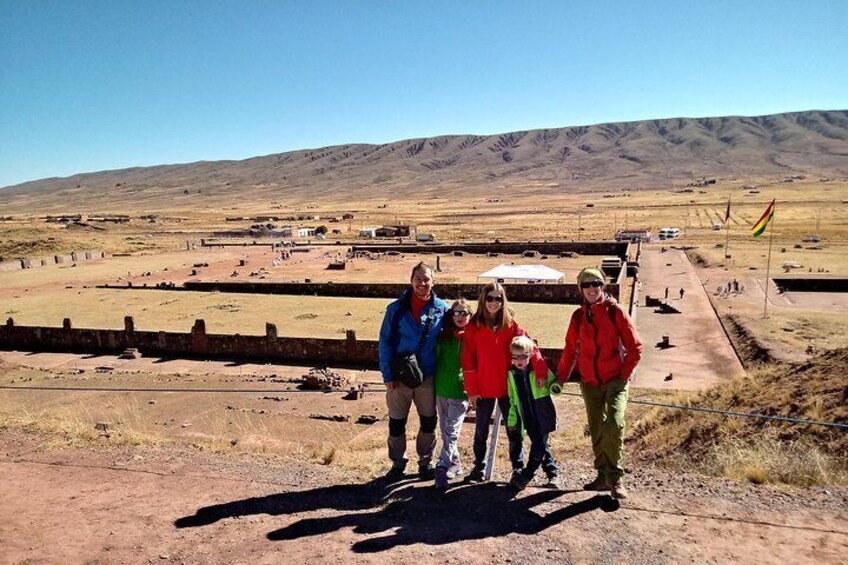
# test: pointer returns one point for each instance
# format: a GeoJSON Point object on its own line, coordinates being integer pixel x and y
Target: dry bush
{"type": "Point", "coordinates": [74, 425]}
{"type": "Point", "coordinates": [768, 460]}
{"type": "Point", "coordinates": [754, 448]}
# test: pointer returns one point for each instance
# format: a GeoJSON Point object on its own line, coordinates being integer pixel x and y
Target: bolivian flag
{"type": "Point", "coordinates": [761, 224]}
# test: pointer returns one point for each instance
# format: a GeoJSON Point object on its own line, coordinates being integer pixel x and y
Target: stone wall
{"type": "Point", "coordinates": [610, 248]}
{"type": "Point", "coordinates": [348, 352]}
{"type": "Point", "coordinates": [518, 292]}
{"type": "Point", "coordinates": [32, 262]}
{"type": "Point", "coordinates": [14, 265]}
{"type": "Point", "coordinates": [811, 284]}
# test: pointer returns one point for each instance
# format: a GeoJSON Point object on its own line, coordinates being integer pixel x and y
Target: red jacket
{"type": "Point", "coordinates": [595, 342]}
{"type": "Point", "coordinates": [486, 359]}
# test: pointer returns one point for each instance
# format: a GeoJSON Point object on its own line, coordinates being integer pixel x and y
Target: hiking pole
{"type": "Point", "coordinates": [493, 444]}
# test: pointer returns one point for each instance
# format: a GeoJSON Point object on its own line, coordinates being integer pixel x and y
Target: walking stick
{"type": "Point", "coordinates": [493, 444]}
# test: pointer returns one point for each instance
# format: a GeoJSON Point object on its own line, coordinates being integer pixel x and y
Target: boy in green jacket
{"type": "Point", "coordinates": [531, 402]}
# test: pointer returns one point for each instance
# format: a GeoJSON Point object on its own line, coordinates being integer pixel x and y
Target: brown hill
{"type": "Point", "coordinates": [814, 390]}
{"type": "Point", "coordinates": [654, 153]}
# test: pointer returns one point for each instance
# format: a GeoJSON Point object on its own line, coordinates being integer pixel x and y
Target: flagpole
{"type": "Point", "coordinates": [727, 239]}
{"type": "Point", "coordinates": [768, 261]}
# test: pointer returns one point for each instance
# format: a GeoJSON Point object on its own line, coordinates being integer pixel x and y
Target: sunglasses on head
{"type": "Point", "coordinates": [591, 284]}
{"type": "Point", "coordinates": [491, 298]}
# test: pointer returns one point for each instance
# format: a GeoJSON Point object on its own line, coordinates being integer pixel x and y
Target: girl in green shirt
{"type": "Point", "coordinates": [451, 400]}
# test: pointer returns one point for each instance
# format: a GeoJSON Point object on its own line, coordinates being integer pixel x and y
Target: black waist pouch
{"type": "Point", "coordinates": [407, 370]}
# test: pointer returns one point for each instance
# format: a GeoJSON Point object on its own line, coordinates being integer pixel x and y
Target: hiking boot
{"type": "Point", "coordinates": [395, 474]}
{"type": "Point", "coordinates": [519, 481]}
{"type": "Point", "coordinates": [441, 478]}
{"type": "Point", "coordinates": [455, 469]}
{"type": "Point", "coordinates": [599, 484]}
{"type": "Point", "coordinates": [618, 490]}
{"type": "Point", "coordinates": [426, 472]}
{"type": "Point", "coordinates": [475, 476]}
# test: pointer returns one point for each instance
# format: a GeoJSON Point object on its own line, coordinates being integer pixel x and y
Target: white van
{"type": "Point", "coordinates": [669, 233]}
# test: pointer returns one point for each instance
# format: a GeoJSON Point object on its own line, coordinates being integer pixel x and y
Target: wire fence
{"type": "Point", "coordinates": [374, 388]}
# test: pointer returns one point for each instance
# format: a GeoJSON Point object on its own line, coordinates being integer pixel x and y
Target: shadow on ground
{"type": "Point", "coordinates": [405, 513]}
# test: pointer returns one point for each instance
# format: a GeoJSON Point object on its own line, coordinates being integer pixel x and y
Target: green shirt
{"type": "Point", "coordinates": [449, 383]}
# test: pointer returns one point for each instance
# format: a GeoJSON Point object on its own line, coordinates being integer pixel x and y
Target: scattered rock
{"type": "Point", "coordinates": [331, 417]}
{"type": "Point", "coordinates": [324, 379]}
{"type": "Point", "coordinates": [367, 419]}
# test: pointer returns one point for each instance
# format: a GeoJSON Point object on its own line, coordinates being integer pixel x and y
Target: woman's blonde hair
{"type": "Point", "coordinates": [503, 319]}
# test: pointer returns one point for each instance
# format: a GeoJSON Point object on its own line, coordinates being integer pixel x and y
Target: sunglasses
{"type": "Point", "coordinates": [490, 298]}
{"type": "Point", "coordinates": [519, 357]}
{"type": "Point", "coordinates": [461, 313]}
{"type": "Point", "coordinates": [591, 284]}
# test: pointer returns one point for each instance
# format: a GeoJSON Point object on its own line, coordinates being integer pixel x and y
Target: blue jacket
{"type": "Point", "coordinates": [403, 336]}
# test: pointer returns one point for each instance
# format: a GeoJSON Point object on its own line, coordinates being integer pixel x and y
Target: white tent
{"type": "Point", "coordinates": [534, 273]}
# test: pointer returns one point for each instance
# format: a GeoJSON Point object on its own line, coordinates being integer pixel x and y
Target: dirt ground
{"type": "Point", "coordinates": [166, 505]}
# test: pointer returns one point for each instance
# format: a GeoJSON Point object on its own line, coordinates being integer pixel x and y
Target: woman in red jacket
{"type": "Point", "coordinates": [485, 362]}
{"type": "Point", "coordinates": [602, 340]}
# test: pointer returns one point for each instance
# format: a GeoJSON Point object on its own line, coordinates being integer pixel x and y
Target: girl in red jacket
{"type": "Point", "coordinates": [485, 362]}
{"type": "Point", "coordinates": [602, 340]}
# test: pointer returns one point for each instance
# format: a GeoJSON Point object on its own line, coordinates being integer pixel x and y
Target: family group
{"type": "Point", "coordinates": [445, 359]}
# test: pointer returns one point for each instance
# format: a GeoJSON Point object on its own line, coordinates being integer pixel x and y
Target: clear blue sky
{"type": "Point", "coordinates": [93, 85]}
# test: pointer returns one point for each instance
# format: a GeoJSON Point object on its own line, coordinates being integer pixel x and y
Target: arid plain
{"type": "Point", "coordinates": [257, 441]}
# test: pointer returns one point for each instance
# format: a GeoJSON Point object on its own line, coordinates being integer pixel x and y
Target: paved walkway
{"type": "Point", "coordinates": [701, 354]}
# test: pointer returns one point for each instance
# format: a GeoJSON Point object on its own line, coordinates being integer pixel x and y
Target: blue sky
{"type": "Point", "coordinates": [94, 85]}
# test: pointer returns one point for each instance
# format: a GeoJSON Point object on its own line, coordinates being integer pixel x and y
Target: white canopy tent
{"type": "Point", "coordinates": [527, 273]}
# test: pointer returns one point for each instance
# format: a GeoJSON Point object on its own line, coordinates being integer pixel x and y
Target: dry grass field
{"type": "Point", "coordinates": [525, 211]}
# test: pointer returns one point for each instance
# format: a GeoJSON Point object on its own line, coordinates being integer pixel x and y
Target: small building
{"type": "Point", "coordinates": [305, 232]}
{"type": "Point", "coordinates": [633, 235]}
{"type": "Point", "coordinates": [387, 231]}
{"type": "Point", "coordinates": [368, 233]}
{"type": "Point", "coordinates": [397, 230]}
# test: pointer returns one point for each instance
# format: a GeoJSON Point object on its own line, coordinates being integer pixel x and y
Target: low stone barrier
{"type": "Point", "coordinates": [348, 352]}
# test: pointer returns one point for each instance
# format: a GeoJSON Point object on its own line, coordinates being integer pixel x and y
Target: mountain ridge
{"type": "Point", "coordinates": [639, 154]}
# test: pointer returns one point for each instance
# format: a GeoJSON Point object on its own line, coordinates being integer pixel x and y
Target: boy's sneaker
{"type": "Point", "coordinates": [519, 481]}
{"type": "Point", "coordinates": [475, 476]}
{"type": "Point", "coordinates": [618, 490]}
{"type": "Point", "coordinates": [599, 484]}
{"type": "Point", "coordinates": [455, 469]}
{"type": "Point", "coordinates": [441, 478]}
{"type": "Point", "coordinates": [554, 481]}
{"type": "Point", "coordinates": [426, 472]}
{"type": "Point", "coordinates": [395, 474]}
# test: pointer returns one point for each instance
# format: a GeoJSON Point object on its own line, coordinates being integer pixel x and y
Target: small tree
{"type": "Point", "coordinates": [321, 230]}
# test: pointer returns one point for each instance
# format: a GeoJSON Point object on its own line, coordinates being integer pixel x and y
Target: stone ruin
{"type": "Point", "coordinates": [324, 379]}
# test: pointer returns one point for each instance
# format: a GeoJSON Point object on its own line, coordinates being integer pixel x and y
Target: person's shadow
{"type": "Point", "coordinates": [408, 513]}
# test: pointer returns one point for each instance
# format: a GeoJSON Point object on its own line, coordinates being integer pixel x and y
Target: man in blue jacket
{"type": "Point", "coordinates": [412, 324]}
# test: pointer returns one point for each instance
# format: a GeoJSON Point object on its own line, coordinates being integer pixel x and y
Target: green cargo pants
{"type": "Point", "coordinates": [605, 406]}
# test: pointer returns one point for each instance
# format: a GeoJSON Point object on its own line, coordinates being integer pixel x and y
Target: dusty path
{"type": "Point", "coordinates": [161, 505]}
{"type": "Point", "coordinates": [701, 355]}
